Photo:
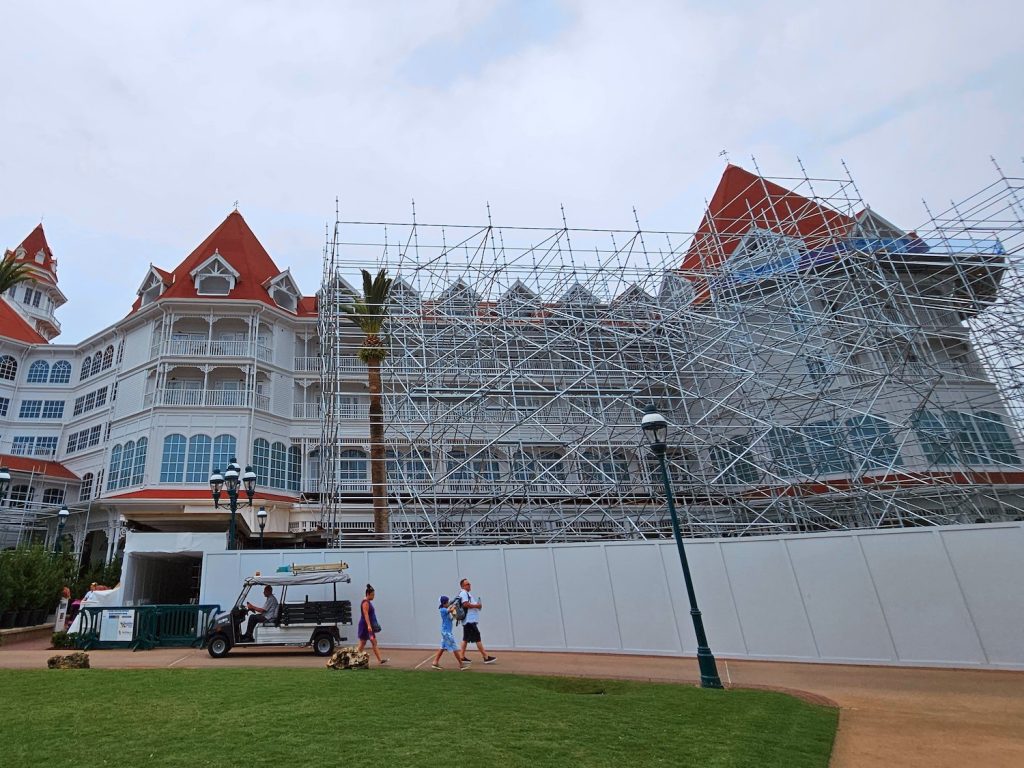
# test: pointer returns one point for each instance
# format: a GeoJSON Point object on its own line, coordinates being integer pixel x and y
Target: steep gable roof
{"type": "Point", "coordinates": [33, 245]}
{"type": "Point", "coordinates": [32, 465]}
{"type": "Point", "coordinates": [14, 326]}
{"type": "Point", "coordinates": [238, 247]}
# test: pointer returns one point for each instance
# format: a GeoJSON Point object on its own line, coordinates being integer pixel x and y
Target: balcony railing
{"type": "Point", "coordinates": [344, 365]}
{"type": "Point", "coordinates": [342, 410]}
{"type": "Point", "coordinates": [215, 348]}
{"type": "Point", "coordinates": [222, 398]}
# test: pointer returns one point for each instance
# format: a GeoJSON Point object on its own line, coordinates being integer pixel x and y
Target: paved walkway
{"type": "Point", "coordinates": [890, 716]}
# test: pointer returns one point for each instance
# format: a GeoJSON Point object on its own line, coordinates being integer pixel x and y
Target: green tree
{"type": "Point", "coordinates": [369, 313]}
{"type": "Point", "coordinates": [11, 273]}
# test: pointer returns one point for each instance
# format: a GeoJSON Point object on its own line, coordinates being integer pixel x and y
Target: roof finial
{"type": "Point", "coordinates": [725, 153]}
{"type": "Point", "coordinates": [236, 206]}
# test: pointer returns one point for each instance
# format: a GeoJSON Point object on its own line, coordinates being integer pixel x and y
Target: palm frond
{"type": "Point", "coordinates": [370, 311]}
{"type": "Point", "coordinates": [11, 273]}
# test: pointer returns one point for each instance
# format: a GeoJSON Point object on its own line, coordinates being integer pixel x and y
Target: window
{"type": "Point", "coordinates": [85, 492]}
{"type": "Point", "coordinates": [30, 409]}
{"type": "Point", "coordinates": [53, 497]}
{"type": "Point", "coordinates": [8, 368]}
{"type": "Point", "coordinates": [352, 466]}
{"type": "Point", "coordinates": [278, 466]}
{"type": "Point", "coordinates": [90, 400]}
{"type": "Point", "coordinates": [261, 461]}
{"type": "Point", "coordinates": [214, 277]}
{"type": "Point", "coordinates": [127, 463]}
{"type": "Point", "coordinates": [120, 351]}
{"type": "Point", "coordinates": [407, 470]}
{"type": "Point", "coordinates": [114, 473]}
{"type": "Point", "coordinates": [5, 404]}
{"type": "Point", "coordinates": [224, 450]}
{"type": "Point", "coordinates": [732, 464]}
{"type": "Point", "coordinates": [139, 470]}
{"type": "Point", "coordinates": [935, 439]}
{"type": "Point", "coordinates": [21, 495]}
{"type": "Point", "coordinates": [108, 357]}
{"type": "Point", "coordinates": [86, 438]}
{"type": "Point", "coordinates": [789, 449]}
{"type": "Point", "coordinates": [294, 468]}
{"type": "Point", "coordinates": [22, 445]}
{"type": "Point", "coordinates": [38, 372]}
{"type": "Point", "coordinates": [53, 409]}
{"type": "Point", "coordinates": [199, 451]}
{"type": "Point", "coordinates": [96, 362]}
{"type": "Point", "coordinates": [996, 438]}
{"type": "Point", "coordinates": [872, 441]}
{"type": "Point", "coordinates": [825, 443]}
{"type": "Point", "coordinates": [60, 373]}
{"type": "Point", "coordinates": [45, 446]}
{"type": "Point", "coordinates": [172, 463]}
{"type": "Point", "coordinates": [86, 369]}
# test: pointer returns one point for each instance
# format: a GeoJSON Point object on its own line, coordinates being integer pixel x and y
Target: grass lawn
{"type": "Point", "coordinates": [309, 717]}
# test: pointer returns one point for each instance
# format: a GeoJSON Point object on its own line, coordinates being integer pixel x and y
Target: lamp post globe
{"type": "Point", "coordinates": [655, 430]}
{"type": "Point", "coordinates": [5, 482]}
{"type": "Point", "coordinates": [261, 515]}
{"type": "Point", "coordinates": [249, 483]}
{"type": "Point", "coordinates": [62, 517]}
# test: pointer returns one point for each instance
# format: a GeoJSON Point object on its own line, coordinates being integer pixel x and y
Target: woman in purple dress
{"type": "Point", "coordinates": [368, 626]}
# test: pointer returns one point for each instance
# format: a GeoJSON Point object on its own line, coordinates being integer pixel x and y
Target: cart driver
{"type": "Point", "coordinates": [261, 615]}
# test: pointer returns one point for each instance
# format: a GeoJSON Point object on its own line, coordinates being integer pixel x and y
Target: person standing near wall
{"type": "Point", "coordinates": [368, 625]}
{"type": "Point", "coordinates": [470, 628]}
{"type": "Point", "coordinates": [447, 635]}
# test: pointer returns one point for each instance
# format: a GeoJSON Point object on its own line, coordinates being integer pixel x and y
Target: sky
{"type": "Point", "coordinates": [132, 128]}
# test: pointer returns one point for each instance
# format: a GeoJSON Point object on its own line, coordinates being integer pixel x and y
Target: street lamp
{"type": "Point", "coordinates": [229, 481]}
{"type": "Point", "coordinates": [655, 429]}
{"type": "Point", "coordinates": [5, 483]}
{"type": "Point", "coordinates": [62, 518]}
{"type": "Point", "coordinates": [261, 515]}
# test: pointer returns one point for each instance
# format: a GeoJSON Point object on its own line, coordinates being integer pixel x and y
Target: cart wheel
{"type": "Point", "coordinates": [219, 647]}
{"type": "Point", "coordinates": [323, 644]}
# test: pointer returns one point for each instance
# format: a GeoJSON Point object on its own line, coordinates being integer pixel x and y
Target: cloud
{"type": "Point", "coordinates": [135, 127]}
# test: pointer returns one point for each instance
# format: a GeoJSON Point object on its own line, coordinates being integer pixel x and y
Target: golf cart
{"type": "Point", "coordinates": [321, 623]}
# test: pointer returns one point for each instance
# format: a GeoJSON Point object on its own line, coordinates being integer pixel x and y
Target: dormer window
{"type": "Point", "coordinates": [40, 257]}
{"type": "Point", "coordinates": [152, 287]}
{"type": "Point", "coordinates": [214, 277]}
{"type": "Point", "coordinates": [283, 291]}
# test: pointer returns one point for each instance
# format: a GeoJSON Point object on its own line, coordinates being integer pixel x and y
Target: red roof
{"type": "Point", "coordinates": [30, 464]}
{"type": "Point", "coordinates": [33, 244]}
{"type": "Point", "coordinates": [307, 306]}
{"type": "Point", "coordinates": [238, 246]}
{"type": "Point", "coordinates": [744, 200]}
{"type": "Point", "coordinates": [14, 326]}
{"type": "Point", "coordinates": [157, 494]}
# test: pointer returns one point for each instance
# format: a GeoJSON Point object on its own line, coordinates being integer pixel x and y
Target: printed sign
{"type": "Point", "coordinates": [62, 614]}
{"type": "Point", "coordinates": [118, 625]}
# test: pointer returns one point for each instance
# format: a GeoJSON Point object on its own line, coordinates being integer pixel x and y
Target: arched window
{"type": "Point", "coordinates": [407, 471]}
{"type": "Point", "coordinates": [294, 468]}
{"type": "Point", "coordinates": [108, 357]}
{"type": "Point", "coordinates": [38, 372]}
{"type": "Point", "coordinates": [225, 448]}
{"type": "Point", "coordinates": [198, 470]}
{"type": "Point", "coordinates": [114, 472]}
{"type": "Point", "coordinates": [278, 466]}
{"type": "Point", "coordinates": [85, 492]}
{"type": "Point", "coordinates": [61, 372]}
{"type": "Point", "coordinates": [20, 496]}
{"type": "Point", "coordinates": [127, 464]}
{"type": "Point", "coordinates": [261, 461]}
{"type": "Point", "coordinates": [140, 461]}
{"type": "Point", "coordinates": [53, 497]}
{"type": "Point", "coordinates": [8, 368]}
{"type": "Point", "coordinates": [86, 369]}
{"type": "Point", "coordinates": [172, 463]}
{"type": "Point", "coordinates": [96, 362]}
{"type": "Point", "coordinates": [352, 471]}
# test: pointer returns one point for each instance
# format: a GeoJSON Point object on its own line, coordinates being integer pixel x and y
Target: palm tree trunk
{"type": "Point", "coordinates": [378, 467]}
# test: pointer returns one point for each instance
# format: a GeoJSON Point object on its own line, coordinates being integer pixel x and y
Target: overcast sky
{"type": "Point", "coordinates": [133, 127]}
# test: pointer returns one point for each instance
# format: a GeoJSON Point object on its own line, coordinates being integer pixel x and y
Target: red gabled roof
{"type": "Point", "coordinates": [307, 306]}
{"type": "Point", "coordinates": [33, 244]}
{"type": "Point", "coordinates": [239, 247]}
{"type": "Point", "coordinates": [32, 464]}
{"type": "Point", "coordinates": [14, 326]}
{"type": "Point", "coordinates": [744, 200]}
{"type": "Point", "coordinates": [188, 494]}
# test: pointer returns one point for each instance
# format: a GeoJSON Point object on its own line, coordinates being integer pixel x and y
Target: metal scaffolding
{"type": "Point", "coordinates": [823, 368]}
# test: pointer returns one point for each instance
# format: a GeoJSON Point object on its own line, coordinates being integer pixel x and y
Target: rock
{"type": "Point", "coordinates": [77, 660]}
{"type": "Point", "coordinates": [349, 658]}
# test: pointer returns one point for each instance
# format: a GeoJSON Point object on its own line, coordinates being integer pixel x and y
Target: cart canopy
{"type": "Point", "coordinates": [303, 579]}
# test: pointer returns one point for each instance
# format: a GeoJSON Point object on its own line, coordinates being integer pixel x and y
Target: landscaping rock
{"type": "Point", "coordinates": [77, 660]}
{"type": "Point", "coordinates": [349, 658]}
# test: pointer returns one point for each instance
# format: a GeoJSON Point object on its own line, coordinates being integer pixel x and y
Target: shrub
{"type": "Point", "coordinates": [63, 640]}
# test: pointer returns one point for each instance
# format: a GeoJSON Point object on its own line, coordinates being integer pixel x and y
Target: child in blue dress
{"type": "Point", "coordinates": [447, 637]}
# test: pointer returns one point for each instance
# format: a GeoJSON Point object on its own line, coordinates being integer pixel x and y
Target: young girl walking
{"type": "Point", "coordinates": [447, 637]}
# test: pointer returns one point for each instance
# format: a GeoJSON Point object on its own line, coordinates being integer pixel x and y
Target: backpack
{"type": "Point", "coordinates": [457, 611]}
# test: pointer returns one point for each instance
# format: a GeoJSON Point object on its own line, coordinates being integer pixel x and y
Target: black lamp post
{"type": "Point", "coordinates": [655, 429]}
{"type": "Point", "coordinates": [230, 481]}
{"type": "Point", "coordinates": [5, 483]}
{"type": "Point", "coordinates": [261, 515]}
{"type": "Point", "coordinates": [62, 518]}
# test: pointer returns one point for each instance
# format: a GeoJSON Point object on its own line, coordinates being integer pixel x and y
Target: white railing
{"type": "Point", "coordinates": [224, 398]}
{"type": "Point", "coordinates": [307, 365]}
{"type": "Point", "coordinates": [343, 365]}
{"type": "Point", "coordinates": [306, 411]}
{"type": "Point", "coordinates": [216, 348]}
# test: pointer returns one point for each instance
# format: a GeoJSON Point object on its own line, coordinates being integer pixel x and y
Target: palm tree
{"type": "Point", "coordinates": [369, 314]}
{"type": "Point", "coordinates": [11, 273]}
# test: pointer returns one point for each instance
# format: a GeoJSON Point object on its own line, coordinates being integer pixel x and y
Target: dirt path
{"type": "Point", "coordinates": [891, 716]}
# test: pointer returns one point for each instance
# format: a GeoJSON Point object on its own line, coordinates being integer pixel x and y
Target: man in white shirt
{"type": "Point", "coordinates": [470, 630]}
{"type": "Point", "coordinates": [265, 615]}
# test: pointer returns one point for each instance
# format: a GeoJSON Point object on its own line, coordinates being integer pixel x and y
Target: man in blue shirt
{"type": "Point", "coordinates": [470, 630]}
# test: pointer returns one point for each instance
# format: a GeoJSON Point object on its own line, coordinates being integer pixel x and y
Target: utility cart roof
{"type": "Point", "coordinates": [303, 575]}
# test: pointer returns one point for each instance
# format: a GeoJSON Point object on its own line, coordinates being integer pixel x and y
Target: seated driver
{"type": "Point", "coordinates": [265, 615]}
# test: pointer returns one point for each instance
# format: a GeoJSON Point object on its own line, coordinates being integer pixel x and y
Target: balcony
{"type": "Point", "coordinates": [341, 410]}
{"type": "Point", "coordinates": [219, 398]}
{"type": "Point", "coordinates": [207, 348]}
{"type": "Point", "coordinates": [347, 366]}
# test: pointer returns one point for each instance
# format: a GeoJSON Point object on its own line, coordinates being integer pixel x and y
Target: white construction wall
{"type": "Point", "coordinates": [950, 596]}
